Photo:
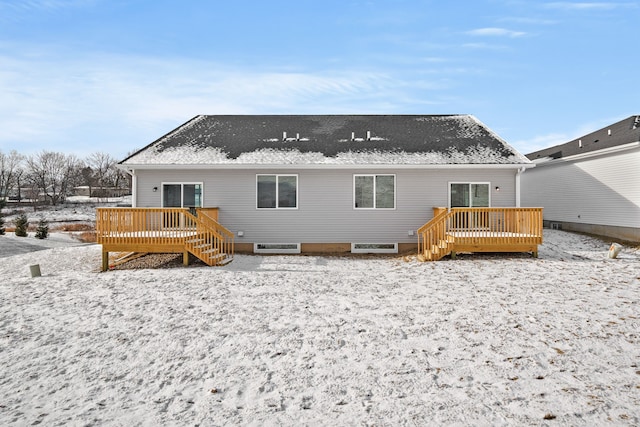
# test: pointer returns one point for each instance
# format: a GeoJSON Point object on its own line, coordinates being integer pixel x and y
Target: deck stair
{"type": "Point", "coordinates": [208, 242]}
{"type": "Point", "coordinates": [433, 242]}
{"type": "Point", "coordinates": [207, 251]}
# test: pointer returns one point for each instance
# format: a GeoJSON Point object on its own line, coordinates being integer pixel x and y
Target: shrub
{"type": "Point", "coordinates": [22, 223]}
{"type": "Point", "coordinates": [42, 232]}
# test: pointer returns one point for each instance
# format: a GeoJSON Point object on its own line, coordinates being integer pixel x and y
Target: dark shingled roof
{"type": "Point", "coordinates": [235, 135]}
{"type": "Point", "coordinates": [623, 132]}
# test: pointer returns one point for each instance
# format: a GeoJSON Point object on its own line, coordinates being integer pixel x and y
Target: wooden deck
{"type": "Point", "coordinates": [480, 230]}
{"type": "Point", "coordinates": [164, 230]}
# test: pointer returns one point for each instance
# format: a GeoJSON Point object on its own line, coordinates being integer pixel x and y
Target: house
{"type": "Point", "coordinates": [590, 184]}
{"type": "Point", "coordinates": [327, 183]}
{"type": "Point", "coordinates": [104, 192]}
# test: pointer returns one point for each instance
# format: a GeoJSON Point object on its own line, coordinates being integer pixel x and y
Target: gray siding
{"type": "Point", "coordinates": [325, 211]}
{"type": "Point", "coordinates": [601, 190]}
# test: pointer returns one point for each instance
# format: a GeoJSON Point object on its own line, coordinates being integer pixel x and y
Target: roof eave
{"type": "Point", "coordinates": [236, 166]}
{"type": "Point", "coordinates": [545, 161]}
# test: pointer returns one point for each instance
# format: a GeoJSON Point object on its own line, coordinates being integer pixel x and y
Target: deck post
{"type": "Point", "coordinates": [185, 258]}
{"type": "Point", "coordinates": [105, 260]}
{"type": "Point", "coordinates": [453, 254]}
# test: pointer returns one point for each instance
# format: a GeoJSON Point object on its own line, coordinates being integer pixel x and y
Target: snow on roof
{"type": "Point", "coordinates": [194, 155]}
{"type": "Point", "coordinates": [330, 139]}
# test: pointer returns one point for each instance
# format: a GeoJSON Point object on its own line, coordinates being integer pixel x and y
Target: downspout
{"type": "Point", "coordinates": [134, 188]}
{"type": "Point", "coordinates": [518, 174]}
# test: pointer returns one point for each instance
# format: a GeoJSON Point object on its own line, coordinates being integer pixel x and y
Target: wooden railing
{"type": "Point", "coordinates": [218, 241]}
{"type": "Point", "coordinates": [480, 230]}
{"type": "Point", "coordinates": [152, 226]}
{"type": "Point", "coordinates": [164, 230]}
{"type": "Point", "coordinates": [431, 235]}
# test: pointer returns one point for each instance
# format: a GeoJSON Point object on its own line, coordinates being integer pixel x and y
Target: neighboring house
{"type": "Point", "coordinates": [87, 191]}
{"type": "Point", "coordinates": [327, 183]}
{"type": "Point", "coordinates": [590, 184]}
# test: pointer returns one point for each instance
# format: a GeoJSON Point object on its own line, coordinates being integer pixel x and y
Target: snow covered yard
{"type": "Point", "coordinates": [295, 340]}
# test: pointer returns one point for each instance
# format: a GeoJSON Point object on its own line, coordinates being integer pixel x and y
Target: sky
{"type": "Point", "coordinates": [85, 76]}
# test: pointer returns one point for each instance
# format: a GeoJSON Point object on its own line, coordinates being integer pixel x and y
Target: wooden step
{"type": "Point", "coordinates": [194, 241]}
{"type": "Point", "coordinates": [217, 256]}
{"type": "Point", "coordinates": [226, 259]}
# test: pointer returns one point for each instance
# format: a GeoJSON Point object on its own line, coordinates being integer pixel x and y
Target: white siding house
{"type": "Point", "coordinates": [327, 183]}
{"type": "Point", "coordinates": [590, 184]}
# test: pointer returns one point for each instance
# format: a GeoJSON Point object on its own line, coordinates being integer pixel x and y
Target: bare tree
{"type": "Point", "coordinates": [10, 172]}
{"type": "Point", "coordinates": [120, 178]}
{"type": "Point", "coordinates": [54, 174]}
{"type": "Point", "coordinates": [102, 167]}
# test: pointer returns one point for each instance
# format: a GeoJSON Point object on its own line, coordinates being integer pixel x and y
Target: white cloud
{"type": "Point", "coordinates": [18, 10]}
{"type": "Point", "coordinates": [549, 140]}
{"type": "Point", "coordinates": [539, 142]}
{"type": "Point", "coordinates": [73, 102]}
{"type": "Point", "coordinates": [528, 20]}
{"type": "Point", "coordinates": [495, 32]}
{"type": "Point", "coordinates": [486, 46]}
{"type": "Point", "coordinates": [588, 5]}
{"type": "Point", "coordinates": [30, 5]}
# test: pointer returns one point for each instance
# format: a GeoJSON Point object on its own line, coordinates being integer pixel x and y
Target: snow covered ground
{"type": "Point", "coordinates": [76, 209]}
{"type": "Point", "coordinates": [305, 340]}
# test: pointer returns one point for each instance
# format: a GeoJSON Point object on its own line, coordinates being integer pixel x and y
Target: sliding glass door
{"type": "Point", "coordinates": [182, 195]}
{"type": "Point", "coordinates": [469, 195]}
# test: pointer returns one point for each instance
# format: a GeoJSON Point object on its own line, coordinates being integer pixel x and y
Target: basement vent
{"type": "Point", "coordinates": [286, 138]}
{"type": "Point", "coordinates": [556, 226]}
{"type": "Point", "coordinates": [276, 248]}
{"type": "Point", "coordinates": [374, 248]}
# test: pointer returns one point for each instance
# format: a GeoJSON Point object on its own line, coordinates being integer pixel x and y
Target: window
{"type": "Point", "coordinates": [469, 194]}
{"type": "Point", "coordinates": [277, 191]}
{"type": "Point", "coordinates": [182, 195]}
{"type": "Point", "coordinates": [374, 248]}
{"type": "Point", "coordinates": [374, 191]}
{"type": "Point", "coordinates": [276, 248]}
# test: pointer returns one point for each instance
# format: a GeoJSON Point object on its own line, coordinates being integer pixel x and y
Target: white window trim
{"type": "Point", "coordinates": [182, 184]}
{"type": "Point", "coordinates": [258, 250]}
{"type": "Point", "coordinates": [356, 250]}
{"type": "Point", "coordinates": [468, 183]}
{"type": "Point", "coordinates": [374, 175]}
{"type": "Point", "coordinates": [277, 175]}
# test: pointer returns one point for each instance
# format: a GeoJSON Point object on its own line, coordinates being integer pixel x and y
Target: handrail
{"type": "Point", "coordinates": [211, 222]}
{"type": "Point", "coordinates": [432, 232]}
{"type": "Point", "coordinates": [217, 242]}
